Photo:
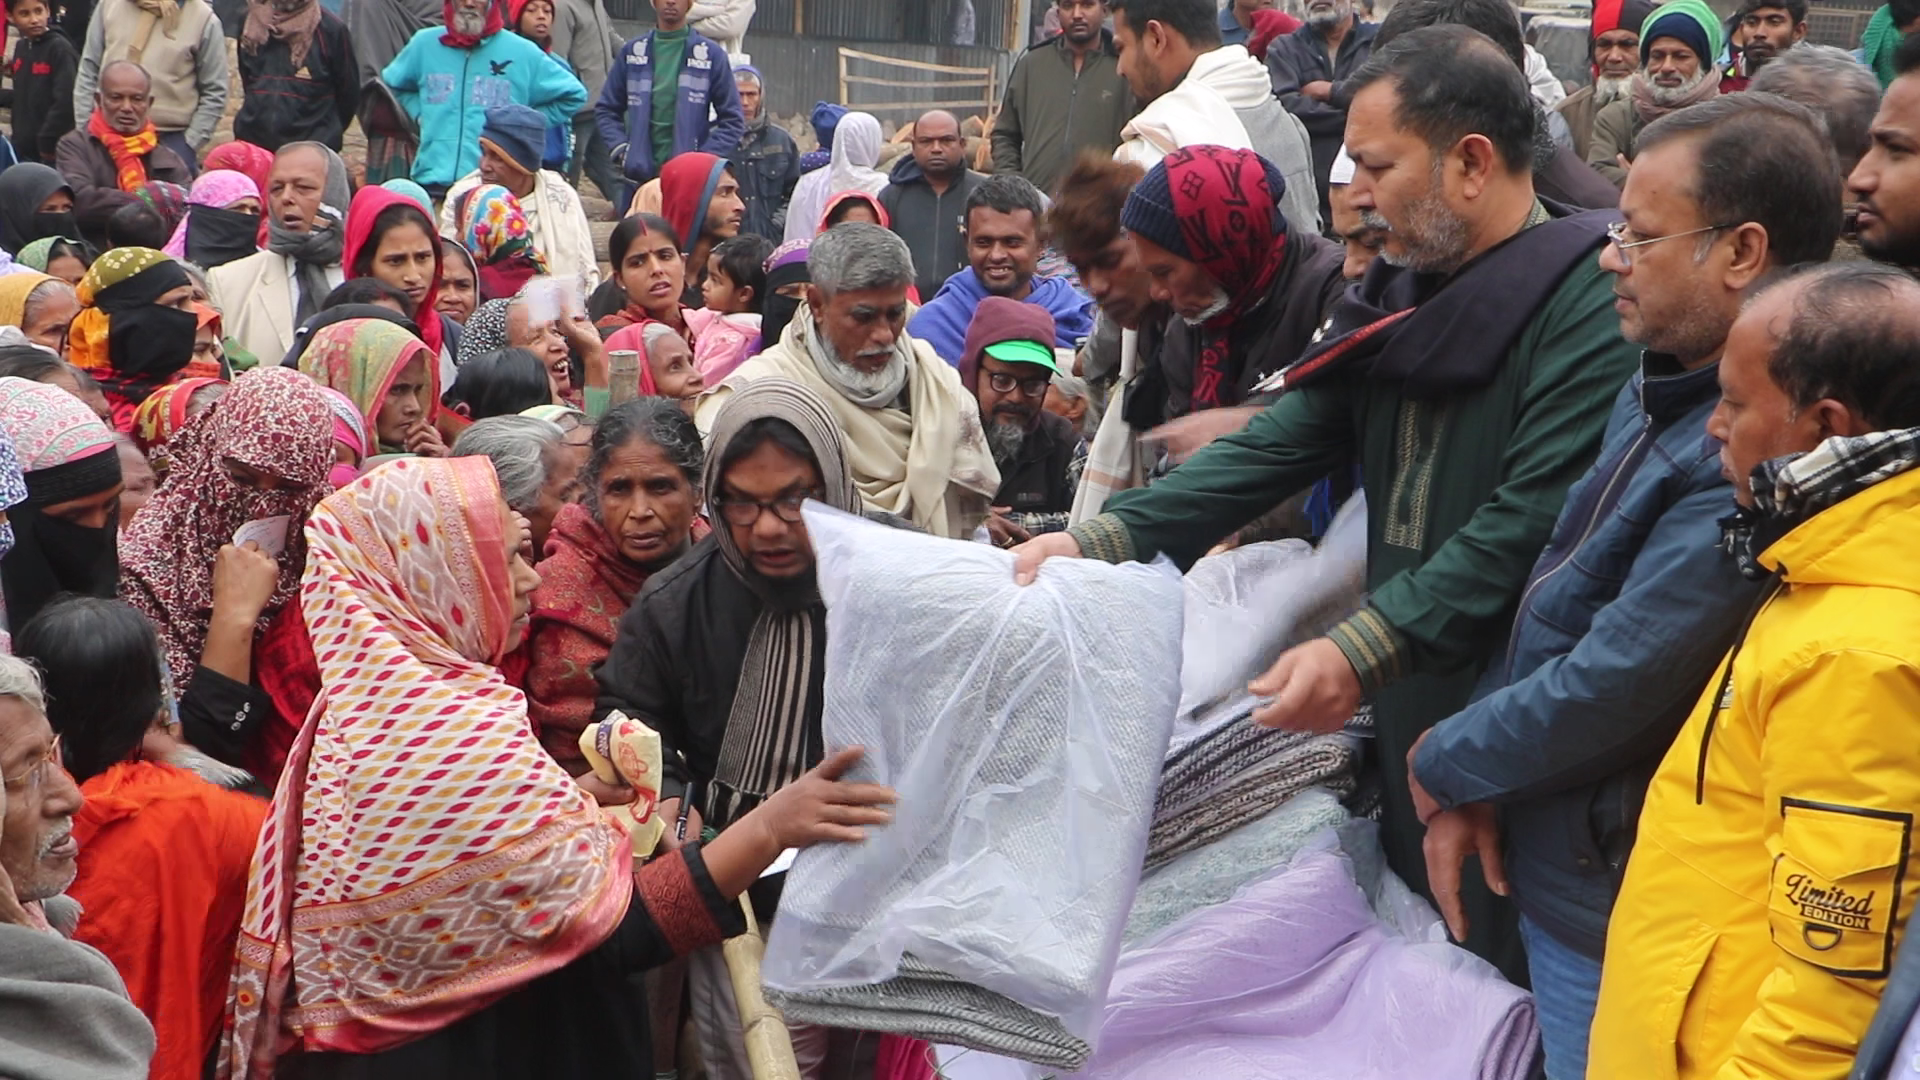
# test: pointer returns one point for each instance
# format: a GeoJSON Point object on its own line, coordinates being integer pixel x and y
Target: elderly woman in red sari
{"type": "Point", "coordinates": [642, 493]}
{"type": "Point", "coordinates": [404, 920]}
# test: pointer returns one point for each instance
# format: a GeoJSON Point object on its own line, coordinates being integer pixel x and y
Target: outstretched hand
{"type": "Point", "coordinates": [821, 808]}
{"type": "Point", "coordinates": [1313, 688]}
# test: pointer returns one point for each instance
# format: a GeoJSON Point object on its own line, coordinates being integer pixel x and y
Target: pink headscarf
{"type": "Point", "coordinates": [218, 188]}
{"type": "Point", "coordinates": [350, 431]}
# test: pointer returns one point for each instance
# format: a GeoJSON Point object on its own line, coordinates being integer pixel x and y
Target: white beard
{"type": "Point", "coordinates": [1674, 95]}
{"type": "Point", "coordinates": [867, 383]}
{"type": "Point", "coordinates": [1607, 91]}
{"type": "Point", "coordinates": [470, 23]}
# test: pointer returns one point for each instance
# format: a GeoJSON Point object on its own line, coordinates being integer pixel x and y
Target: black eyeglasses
{"type": "Point", "coordinates": [1033, 388]}
{"type": "Point", "coordinates": [744, 512]}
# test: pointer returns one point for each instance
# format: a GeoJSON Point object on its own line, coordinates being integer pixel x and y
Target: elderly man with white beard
{"type": "Point", "coordinates": [914, 438]}
{"type": "Point", "coordinates": [1678, 44]}
{"type": "Point", "coordinates": [1613, 46]}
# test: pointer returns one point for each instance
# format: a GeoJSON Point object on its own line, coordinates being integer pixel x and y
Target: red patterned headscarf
{"type": "Point", "coordinates": [423, 856]}
{"type": "Point", "coordinates": [1218, 208]}
{"type": "Point", "coordinates": [274, 420]}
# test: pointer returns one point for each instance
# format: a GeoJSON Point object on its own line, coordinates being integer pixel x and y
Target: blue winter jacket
{"type": "Point", "coordinates": [942, 321]}
{"type": "Point", "coordinates": [1625, 616]}
{"type": "Point", "coordinates": [624, 112]}
{"type": "Point", "coordinates": [448, 92]}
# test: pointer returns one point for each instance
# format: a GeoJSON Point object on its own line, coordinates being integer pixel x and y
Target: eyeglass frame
{"type": "Point", "coordinates": [35, 773]}
{"type": "Point", "coordinates": [1623, 248]}
{"type": "Point", "coordinates": [994, 379]}
{"type": "Point", "coordinates": [762, 506]}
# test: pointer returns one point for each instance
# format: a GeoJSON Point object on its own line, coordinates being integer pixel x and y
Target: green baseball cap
{"type": "Point", "coordinates": [1023, 352]}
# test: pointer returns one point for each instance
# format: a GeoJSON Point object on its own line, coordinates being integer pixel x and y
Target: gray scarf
{"type": "Point", "coordinates": [64, 1013]}
{"type": "Point", "coordinates": [315, 251]}
{"type": "Point", "coordinates": [827, 362]}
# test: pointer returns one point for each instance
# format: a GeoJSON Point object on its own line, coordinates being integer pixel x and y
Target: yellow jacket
{"type": "Point", "coordinates": [1774, 871]}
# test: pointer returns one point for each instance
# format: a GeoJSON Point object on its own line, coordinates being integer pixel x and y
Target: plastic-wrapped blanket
{"type": "Point", "coordinates": [1296, 979]}
{"type": "Point", "coordinates": [1247, 606]}
{"type": "Point", "coordinates": [1025, 730]}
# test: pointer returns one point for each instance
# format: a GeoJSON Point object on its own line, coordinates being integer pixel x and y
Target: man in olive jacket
{"type": "Point", "coordinates": [1471, 384]}
{"type": "Point", "coordinates": [1064, 95]}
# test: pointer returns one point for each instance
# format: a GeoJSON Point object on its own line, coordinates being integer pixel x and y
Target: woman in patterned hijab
{"type": "Point", "coordinates": [496, 233]}
{"type": "Point", "coordinates": [397, 923]}
{"type": "Point", "coordinates": [64, 511]}
{"type": "Point", "coordinates": [136, 326]}
{"type": "Point", "coordinates": [262, 452]}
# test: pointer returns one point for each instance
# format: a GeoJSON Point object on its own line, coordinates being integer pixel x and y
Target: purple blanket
{"type": "Point", "coordinates": [1295, 979]}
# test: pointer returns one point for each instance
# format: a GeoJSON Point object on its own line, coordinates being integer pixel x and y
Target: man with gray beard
{"type": "Point", "coordinates": [914, 439]}
{"type": "Point", "coordinates": [1469, 373]}
{"type": "Point", "coordinates": [1008, 364]}
{"type": "Point", "coordinates": [1678, 49]}
{"type": "Point", "coordinates": [1614, 48]}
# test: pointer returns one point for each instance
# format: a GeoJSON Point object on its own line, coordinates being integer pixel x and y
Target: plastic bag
{"type": "Point", "coordinates": [1295, 978]}
{"type": "Point", "coordinates": [1247, 606]}
{"type": "Point", "coordinates": [1024, 729]}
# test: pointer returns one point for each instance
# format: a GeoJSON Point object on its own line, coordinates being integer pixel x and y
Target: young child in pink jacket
{"type": "Point", "coordinates": [734, 292]}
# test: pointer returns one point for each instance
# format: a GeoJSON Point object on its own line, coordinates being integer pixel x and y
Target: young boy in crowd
{"type": "Point", "coordinates": [735, 299]}
{"type": "Point", "coordinates": [533, 20]}
{"type": "Point", "coordinates": [42, 71]}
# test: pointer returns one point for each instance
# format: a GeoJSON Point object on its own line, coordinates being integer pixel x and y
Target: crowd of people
{"type": "Point", "coordinates": [335, 515]}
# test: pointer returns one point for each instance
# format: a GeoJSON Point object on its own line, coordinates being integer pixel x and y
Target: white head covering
{"type": "Point", "coordinates": [1342, 172]}
{"type": "Point", "coordinates": [856, 149]}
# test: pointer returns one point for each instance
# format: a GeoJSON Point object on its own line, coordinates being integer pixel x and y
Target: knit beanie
{"type": "Point", "coordinates": [516, 133]}
{"type": "Point", "coordinates": [1691, 22]}
{"type": "Point", "coordinates": [1620, 15]}
{"type": "Point", "coordinates": [1149, 212]}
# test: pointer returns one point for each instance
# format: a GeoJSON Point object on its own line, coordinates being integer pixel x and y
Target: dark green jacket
{"type": "Point", "coordinates": [1050, 113]}
{"type": "Point", "coordinates": [1462, 493]}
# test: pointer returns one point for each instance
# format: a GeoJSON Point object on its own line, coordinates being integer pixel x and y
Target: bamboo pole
{"type": "Point", "coordinates": [762, 1028]}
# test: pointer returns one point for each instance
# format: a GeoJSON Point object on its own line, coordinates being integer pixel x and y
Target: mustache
{"type": "Point", "coordinates": [50, 842]}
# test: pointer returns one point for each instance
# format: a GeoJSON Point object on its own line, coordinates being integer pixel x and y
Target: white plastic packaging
{"type": "Point", "coordinates": [1024, 729]}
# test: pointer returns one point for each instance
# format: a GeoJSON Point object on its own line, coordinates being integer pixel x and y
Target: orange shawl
{"type": "Point", "coordinates": [423, 856]}
{"type": "Point", "coordinates": [129, 152]}
{"type": "Point", "coordinates": [163, 873]}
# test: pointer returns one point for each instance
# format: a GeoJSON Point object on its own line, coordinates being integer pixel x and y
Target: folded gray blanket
{"type": "Point", "coordinates": [1238, 774]}
{"type": "Point", "coordinates": [1211, 874]}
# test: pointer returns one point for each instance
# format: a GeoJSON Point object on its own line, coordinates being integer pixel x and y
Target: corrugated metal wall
{"type": "Point", "coordinates": [905, 22]}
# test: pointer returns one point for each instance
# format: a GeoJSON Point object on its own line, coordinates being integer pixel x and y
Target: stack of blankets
{"type": "Point", "coordinates": [1025, 730]}
{"type": "Point", "coordinates": [1233, 771]}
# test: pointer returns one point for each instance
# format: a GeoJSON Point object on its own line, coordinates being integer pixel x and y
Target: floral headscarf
{"type": "Point", "coordinates": [163, 415]}
{"type": "Point", "coordinates": [168, 200]}
{"type": "Point", "coordinates": [361, 358]}
{"type": "Point", "coordinates": [373, 833]}
{"type": "Point", "coordinates": [272, 420]}
{"type": "Point", "coordinates": [13, 489]}
{"type": "Point", "coordinates": [486, 330]}
{"type": "Point", "coordinates": [497, 228]}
